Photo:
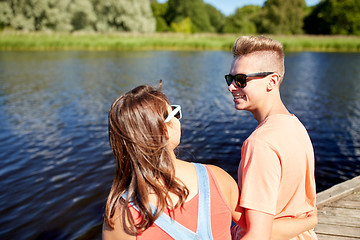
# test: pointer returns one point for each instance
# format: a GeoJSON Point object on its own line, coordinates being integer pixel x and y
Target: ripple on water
{"type": "Point", "coordinates": [56, 164]}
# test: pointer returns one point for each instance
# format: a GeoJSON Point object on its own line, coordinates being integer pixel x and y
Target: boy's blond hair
{"type": "Point", "coordinates": [269, 48]}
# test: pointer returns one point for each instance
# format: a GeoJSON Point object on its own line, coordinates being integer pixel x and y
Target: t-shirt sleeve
{"type": "Point", "coordinates": [259, 176]}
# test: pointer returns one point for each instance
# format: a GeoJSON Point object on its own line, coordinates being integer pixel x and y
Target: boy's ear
{"type": "Point", "coordinates": [273, 82]}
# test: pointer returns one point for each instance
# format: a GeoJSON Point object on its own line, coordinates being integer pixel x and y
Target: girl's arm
{"type": "Point", "coordinates": [286, 228]}
{"type": "Point", "coordinates": [118, 232]}
{"type": "Point", "coordinates": [231, 193]}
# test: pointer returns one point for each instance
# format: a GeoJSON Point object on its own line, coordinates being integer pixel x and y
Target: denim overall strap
{"type": "Point", "coordinates": [178, 231]}
{"type": "Point", "coordinates": [175, 229]}
{"type": "Point", "coordinates": [168, 225]}
{"type": "Point", "coordinates": [204, 211]}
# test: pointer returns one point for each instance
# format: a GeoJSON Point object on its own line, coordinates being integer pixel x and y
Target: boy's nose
{"type": "Point", "coordinates": [232, 87]}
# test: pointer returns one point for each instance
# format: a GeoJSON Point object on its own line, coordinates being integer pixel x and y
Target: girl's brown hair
{"type": "Point", "coordinates": [138, 138]}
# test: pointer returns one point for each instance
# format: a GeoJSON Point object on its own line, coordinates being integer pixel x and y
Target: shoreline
{"type": "Point", "coordinates": [39, 41]}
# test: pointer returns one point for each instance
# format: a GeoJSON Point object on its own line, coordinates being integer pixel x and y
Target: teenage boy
{"type": "Point", "coordinates": [276, 172]}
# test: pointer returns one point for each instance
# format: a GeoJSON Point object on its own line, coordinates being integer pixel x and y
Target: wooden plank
{"type": "Point", "coordinates": [336, 230]}
{"type": "Point", "coordinates": [339, 212]}
{"type": "Point", "coordinates": [338, 191]}
{"type": "Point", "coordinates": [339, 220]}
{"type": "Point", "coordinates": [354, 196]}
{"type": "Point", "coordinates": [334, 211]}
{"type": "Point", "coordinates": [350, 204]}
{"type": "Point", "coordinates": [350, 201]}
{"type": "Point", "coordinates": [330, 237]}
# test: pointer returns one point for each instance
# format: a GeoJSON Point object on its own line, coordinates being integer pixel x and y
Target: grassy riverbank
{"type": "Point", "coordinates": [162, 41]}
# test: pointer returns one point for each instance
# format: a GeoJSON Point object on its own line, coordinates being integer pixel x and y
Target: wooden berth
{"type": "Point", "coordinates": [339, 211]}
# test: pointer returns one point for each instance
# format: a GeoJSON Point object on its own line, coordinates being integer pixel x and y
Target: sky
{"type": "Point", "coordinates": [228, 6]}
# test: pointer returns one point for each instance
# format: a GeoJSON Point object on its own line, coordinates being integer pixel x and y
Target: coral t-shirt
{"type": "Point", "coordinates": [276, 172]}
{"type": "Point", "coordinates": [188, 215]}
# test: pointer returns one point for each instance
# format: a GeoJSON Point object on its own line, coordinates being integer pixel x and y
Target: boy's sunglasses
{"type": "Point", "coordinates": [240, 79]}
{"type": "Point", "coordinates": [176, 112]}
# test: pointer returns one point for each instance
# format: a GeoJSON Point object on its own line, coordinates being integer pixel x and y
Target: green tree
{"type": "Point", "coordinates": [243, 21]}
{"type": "Point", "coordinates": [28, 15]}
{"type": "Point", "coordinates": [217, 19]}
{"type": "Point", "coordinates": [194, 9]}
{"type": "Point", "coordinates": [82, 15]}
{"type": "Point", "coordinates": [75, 15]}
{"type": "Point", "coordinates": [40, 15]}
{"type": "Point", "coordinates": [283, 16]}
{"type": "Point", "coordinates": [58, 17]}
{"type": "Point", "coordinates": [334, 17]}
{"type": "Point", "coordinates": [124, 15]}
{"type": "Point", "coordinates": [184, 26]}
{"type": "Point", "coordinates": [159, 11]}
{"type": "Point", "coordinates": [6, 14]}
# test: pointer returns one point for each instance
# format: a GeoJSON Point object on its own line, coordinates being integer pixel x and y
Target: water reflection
{"type": "Point", "coordinates": [56, 166]}
{"type": "Point", "coordinates": [329, 107]}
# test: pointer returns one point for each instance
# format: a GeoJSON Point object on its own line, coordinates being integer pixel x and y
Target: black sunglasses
{"type": "Point", "coordinates": [240, 79]}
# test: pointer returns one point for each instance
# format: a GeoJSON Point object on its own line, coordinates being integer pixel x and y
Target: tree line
{"type": "Point", "coordinates": [186, 16]}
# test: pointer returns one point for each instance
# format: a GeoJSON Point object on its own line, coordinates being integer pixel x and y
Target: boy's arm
{"type": "Point", "coordinates": [262, 226]}
{"type": "Point", "coordinates": [259, 225]}
{"type": "Point", "coordinates": [286, 228]}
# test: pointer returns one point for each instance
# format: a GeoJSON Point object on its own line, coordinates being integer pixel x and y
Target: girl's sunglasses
{"type": "Point", "coordinates": [176, 112]}
{"type": "Point", "coordinates": [240, 79]}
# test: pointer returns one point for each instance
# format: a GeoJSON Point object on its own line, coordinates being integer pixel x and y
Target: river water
{"type": "Point", "coordinates": [56, 165]}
